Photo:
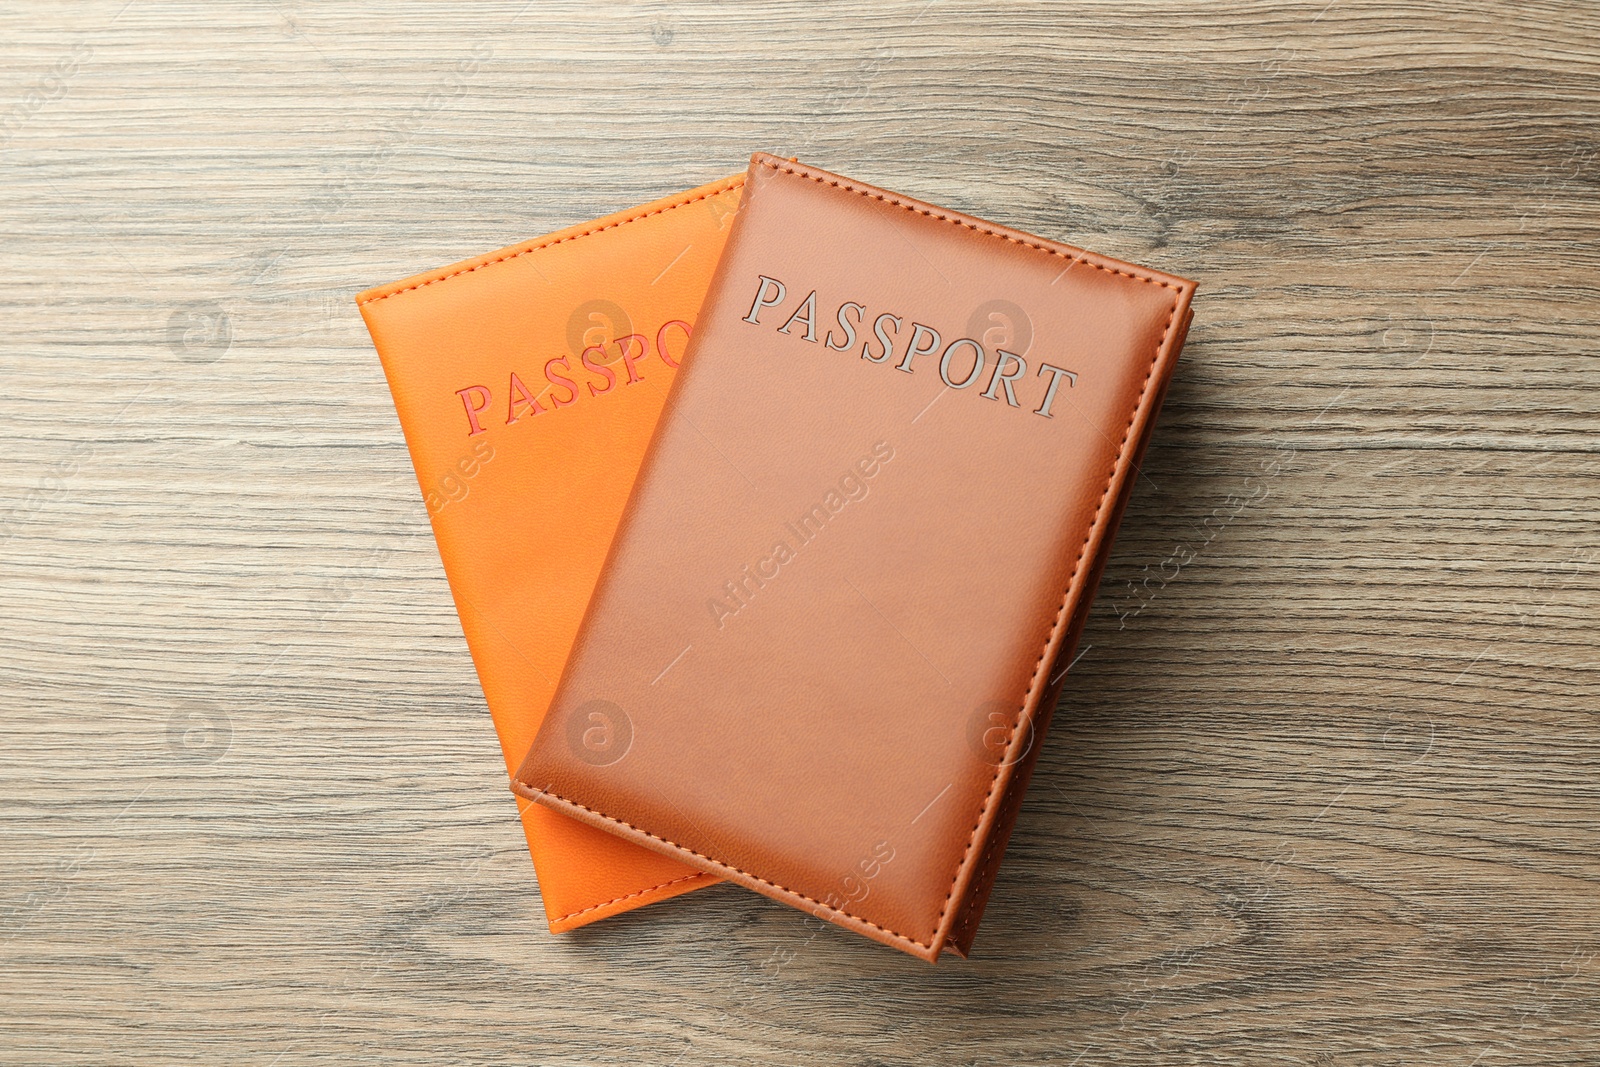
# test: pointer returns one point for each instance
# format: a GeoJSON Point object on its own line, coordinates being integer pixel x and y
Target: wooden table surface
{"type": "Point", "coordinates": [1323, 787]}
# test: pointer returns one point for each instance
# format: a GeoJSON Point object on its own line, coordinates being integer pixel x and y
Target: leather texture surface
{"type": "Point", "coordinates": [528, 382]}
{"type": "Point", "coordinates": [831, 621]}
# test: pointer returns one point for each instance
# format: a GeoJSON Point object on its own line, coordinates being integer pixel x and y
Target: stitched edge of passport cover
{"type": "Point", "coordinates": [965, 928]}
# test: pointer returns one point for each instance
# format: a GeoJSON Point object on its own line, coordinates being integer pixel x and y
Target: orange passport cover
{"type": "Point", "coordinates": [528, 382]}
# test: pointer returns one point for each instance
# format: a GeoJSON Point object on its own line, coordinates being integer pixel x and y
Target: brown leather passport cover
{"type": "Point", "coordinates": [829, 634]}
{"type": "Point", "coordinates": [528, 382]}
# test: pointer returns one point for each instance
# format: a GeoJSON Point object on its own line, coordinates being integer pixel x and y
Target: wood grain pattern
{"type": "Point", "coordinates": [1323, 789]}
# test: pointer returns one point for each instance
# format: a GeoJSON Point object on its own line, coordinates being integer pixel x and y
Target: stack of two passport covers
{"type": "Point", "coordinates": [772, 511]}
